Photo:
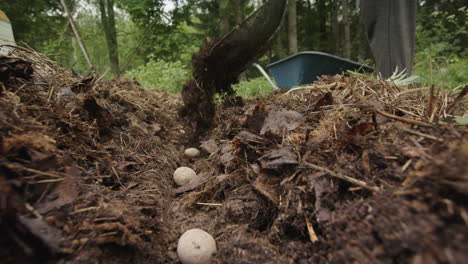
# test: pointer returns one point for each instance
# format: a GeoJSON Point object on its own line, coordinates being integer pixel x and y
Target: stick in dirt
{"type": "Point", "coordinates": [343, 177]}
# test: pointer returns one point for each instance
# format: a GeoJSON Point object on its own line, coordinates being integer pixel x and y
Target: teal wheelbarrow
{"type": "Point", "coordinates": [305, 67]}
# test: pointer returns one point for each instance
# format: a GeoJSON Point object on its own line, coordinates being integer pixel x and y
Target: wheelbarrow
{"type": "Point", "coordinates": [305, 67]}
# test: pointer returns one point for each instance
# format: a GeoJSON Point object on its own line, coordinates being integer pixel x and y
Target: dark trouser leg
{"type": "Point", "coordinates": [391, 30]}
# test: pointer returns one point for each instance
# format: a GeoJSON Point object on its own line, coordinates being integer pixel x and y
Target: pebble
{"type": "Point", "coordinates": [184, 175]}
{"type": "Point", "coordinates": [192, 152]}
{"type": "Point", "coordinates": [196, 246]}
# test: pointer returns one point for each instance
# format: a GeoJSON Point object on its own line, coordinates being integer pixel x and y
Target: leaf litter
{"type": "Point", "coordinates": [343, 170]}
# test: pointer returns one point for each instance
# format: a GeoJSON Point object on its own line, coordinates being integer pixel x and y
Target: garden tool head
{"type": "Point", "coordinates": [220, 62]}
{"type": "Point", "coordinates": [251, 38]}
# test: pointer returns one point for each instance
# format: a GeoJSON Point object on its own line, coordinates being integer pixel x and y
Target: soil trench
{"type": "Point", "coordinates": [344, 170]}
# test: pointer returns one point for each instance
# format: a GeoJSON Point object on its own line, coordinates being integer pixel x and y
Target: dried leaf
{"type": "Point", "coordinates": [278, 122]}
{"type": "Point", "coordinates": [279, 157]}
{"type": "Point", "coordinates": [209, 146]}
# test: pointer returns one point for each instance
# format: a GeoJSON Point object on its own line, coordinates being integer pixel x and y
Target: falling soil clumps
{"type": "Point", "coordinates": [212, 75]}
{"type": "Point", "coordinates": [219, 63]}
{"type": "Point", "coordinates": [344, 170]}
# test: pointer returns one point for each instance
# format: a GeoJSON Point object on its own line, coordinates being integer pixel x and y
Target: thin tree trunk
{"type": "Point", "coordinates": [336, 26]}
{"type": "Point", "coordinates": [77, 34]}
{"type": "Point", "coordinates": [292, 26]}
{"type": "Point", "coordinates": [270, 49]}
{"type": "Point", "coordinates": [75, 55]}
{"type": "Point", "coordinates": [322, 19]}
{"type": "Point", "coordinates": [239, 13]}
{"type": "Point", "coordinates": [363, 43]}
{"type": "Point", "coordinates": [108, 22]}
{"type": "Point", "coordinates": [280, 49]}
{"type": "Point", "coordinates": [346, 24]}
{"type": "Point", "coordinates": [223, 16]}
{"type": "Point", "coordinates": [239, 17]}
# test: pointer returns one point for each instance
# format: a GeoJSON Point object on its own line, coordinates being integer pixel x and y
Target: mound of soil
{"type": "Point", "coordinates": [85, 165]}
{"type": "Point", "coordinates": [344, 170]}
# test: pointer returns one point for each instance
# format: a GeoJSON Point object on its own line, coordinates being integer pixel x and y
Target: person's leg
{"type": "Point", "coordinates": [391, 30]}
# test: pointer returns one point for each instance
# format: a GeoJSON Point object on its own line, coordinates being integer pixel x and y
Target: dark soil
{"type": "Point", "coordinates": [315, 176]}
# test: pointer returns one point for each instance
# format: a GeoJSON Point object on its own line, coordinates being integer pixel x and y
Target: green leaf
{"type": "Point", "coordinates": [461, 121]}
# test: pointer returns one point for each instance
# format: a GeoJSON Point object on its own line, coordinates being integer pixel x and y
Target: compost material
{"type": "Point", "coordinates": [344, 170]}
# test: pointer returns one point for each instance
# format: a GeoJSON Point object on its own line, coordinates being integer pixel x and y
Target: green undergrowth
{"type": "Point", "coordinates": [252, 88]}
{"type": "Point", "coordinates": [160, 74]}
{"type": "Point", "coordinates": [171, 76]}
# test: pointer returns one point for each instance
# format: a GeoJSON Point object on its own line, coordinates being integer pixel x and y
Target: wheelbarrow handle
{"type": "Point", "coordinates": [265, 74]}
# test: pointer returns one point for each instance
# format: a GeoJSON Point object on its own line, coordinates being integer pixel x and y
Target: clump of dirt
{"type": "Point", "coordinates": [347, 169]}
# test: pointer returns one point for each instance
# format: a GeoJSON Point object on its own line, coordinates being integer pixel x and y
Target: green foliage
{"type": "Point", "coordinates": [160, 74]}
{"type": "Point", "coordinates": [173, 36]}
{"type": "Point", "coordinates": [174, 43]}
{"type": "Point", "coordinates": [253, 87]}
{"type": "Point", "coordinates": [447, 73]}
{"type": "Point", "coordinates": [441, 57]}
{"type": "Point", "coordinates": [34, 22]}
{"type": "Point", "coordinates": [461, 121]}
{"type": "Point", "coordinates": [143, 11]}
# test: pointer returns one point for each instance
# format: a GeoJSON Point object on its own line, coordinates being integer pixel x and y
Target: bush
{"type": "Point", "coordinates": [160, 74]}
{"type": "Point", "coordinates": [254, 87]}
{"type": "Point", "coordinates": [441, 56]}
{"type": "Point", "coordinates": [447, 73]}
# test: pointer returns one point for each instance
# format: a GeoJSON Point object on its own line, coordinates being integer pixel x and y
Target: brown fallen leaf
{"type": "Point", "coordinates": [279, 157]}
{"type": "Point", "coordinates": [277, 122]}
{"type": "Point", "coordinates": [209, 146]}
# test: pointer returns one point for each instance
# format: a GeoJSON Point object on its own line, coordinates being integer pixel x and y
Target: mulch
{"type": "Point", "coordinates": [347, 169]}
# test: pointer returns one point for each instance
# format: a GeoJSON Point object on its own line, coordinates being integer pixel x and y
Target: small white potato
{"type": "Point", "coordinates": [183, 175]}
{"type": "Point", "coordinates": [196, 247]}
{"type": "Point", "coordinates": [192, 152]}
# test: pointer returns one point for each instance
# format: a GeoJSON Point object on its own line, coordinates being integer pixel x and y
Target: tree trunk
{"type": "Point", "coordinates": [363, 43]}
{"type": "Point", "coordinates": [292, 26]}
{"type": "Point", "coordinates": [223, 16]}
{"type": "Point", "coordinates": [239, 12]}
{"type": "Point", "coordinates": [108, 23]}
{"type": "Point", "coordinates": [346, 24]}
{"type": "Point", "coordinates": [75, 54]}
{"type": "Point", "coordinates": [322, 20]}
{"type": "Point", "coordinates": [336, 26]}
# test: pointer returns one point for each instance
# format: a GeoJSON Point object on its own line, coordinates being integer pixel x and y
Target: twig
{"type": "Point", "coordinates": [116, 175]}
{"type": "Point", "coordinates": [317, 87]}
{"type": "Point", "coordinates": [407, 164]}
{"type": "Point", "coordinates": [33, 211]}
{"type": "Point", "coordinates": [399, 118]}
{"type": "Point", "coordinates": [84, 210]}
{"type": "Point", "coordinates": [411, 91]}
{"type": "Point", "coordinates": [17, 166]}
{"type": "Point", "coordinates": [102, 76]}
{"type": "Point", "coordinates": [421, 148]}
{"type": "Point", "coordinates": [422, 134]}
{"type": "Point", "coordinates": [211, 204]}
{"type": "Point", "coordinates": [312, 236]}
{"type": "Point", "coordinates": [137, 47]}
{"type": "Point", "coordinates": [342, 177]}
{"type": "Point", "coordinates": [458, 99]}
{"type": "Point", "coordinates": [430, 105]}
{"type": "Point", "coordinates": [47, 181]}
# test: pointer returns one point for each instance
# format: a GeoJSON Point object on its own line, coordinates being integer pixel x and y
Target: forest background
{"type": "Point", "coordinates": [153, 40]}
